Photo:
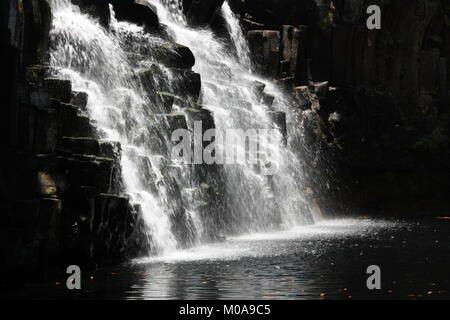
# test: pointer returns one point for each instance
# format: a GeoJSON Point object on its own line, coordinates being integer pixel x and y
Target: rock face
{"type": "Point", "coordinates": [373, 107]}
{"type": "Point", "coordinates": [200, 12]}
{"type": "Point", "coordinates": [136, 11]}
{"type": "Point", "coordinates": [61, 189]}
{"type": "Point", "coordinates": [375, 101]}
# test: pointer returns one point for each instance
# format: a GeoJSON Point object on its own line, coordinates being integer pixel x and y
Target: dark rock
{"type": "Point", "coordinates": [109, 226]}
{"type": "Point", "coordinates": [174, 121]}
{"type": "Point", "coordinates": [96, 8]}
{"type": "Point", "coordinates": [429, 68]}
{"type": "Point", "coordinates": [205, 117]}
{"type": "Point", "coordinates": [139, 12]}
{"type": "Point", "coordinates": [59, 89]}
{"type": "Point", "coordinates": [36, 74]}
{"type": "Point", "coordinates": [186, 84]}
{"type": "Point", "coordinates": [87, 171]}
{"type": "Point", "coordinates": [279, 119]}
{"type": "Point", "coordinates": [299, 64]}
{"type": "Point", "coordinates": [174, 55]}
{"type": "Point", "coordinates": [75, 145]}
{"type": "Point", "coordinates": [46, 130]}
{"type": "Point", "coordinates": [71, 123]}
{"type": "Point", "coordinates": [303, 97]}
{"type": "Point", "coordinates": [265, 47]}
{"type": "Point", "coordinates": [110, 149]}
{"type": "Point", "coordinates": [156, 83]}
{"type": "Point", "coordinates": [267, 99]}
{"type": "Point", "coordinates": [79, 99]}
{"type": "Point", "coordinates": [321, 89]}
{"type": "Point", "coordinates": [200, 12]}
{"type": "Point", "coordinates": [278, 12]}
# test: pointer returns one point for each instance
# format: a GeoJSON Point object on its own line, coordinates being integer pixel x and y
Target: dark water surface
{"type": "Point", "coordinates": [324, 261]}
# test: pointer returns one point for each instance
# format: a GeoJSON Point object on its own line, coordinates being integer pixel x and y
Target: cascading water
{"type": "Point", "coordinates": [96, 62]}
{"type": "Point", "coordinates": [256, 202]}
{"type": "Point", "coordinates": [108, 65]}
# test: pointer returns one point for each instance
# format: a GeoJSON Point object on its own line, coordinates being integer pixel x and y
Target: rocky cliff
{"type": "Point", "coordinates": [372, 106]}
{"type": "Point", "coordinates": [380, 125]}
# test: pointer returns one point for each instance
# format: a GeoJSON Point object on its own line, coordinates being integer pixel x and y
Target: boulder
{"type": "Point", "coordinates": [186, 84]}
{"type": "Point", "coordinates": [99, 9]}
{"type": "Point", "coordinates": [174, 55]}
{"type": "Point", "coordinates": [140, 12]}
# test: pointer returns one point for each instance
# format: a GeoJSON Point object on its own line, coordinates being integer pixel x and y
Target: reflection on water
{"type": "Point", "coordinates": [327, 260]}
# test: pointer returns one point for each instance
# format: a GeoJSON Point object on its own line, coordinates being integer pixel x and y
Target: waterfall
{"type": "Point", "coordinates": [96, 62]}
{"type": "Point", "coordinates": [256, 202]}
{"type": "Point", "coordinates": [108, 65]}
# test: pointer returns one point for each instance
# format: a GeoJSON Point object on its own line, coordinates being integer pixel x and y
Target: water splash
{"type": "Point", "coordinates": [255, 202]}
{"type": "Point", "coordinates": [109, 66]}
{"type": "Point", "coordinates": [96, 62]}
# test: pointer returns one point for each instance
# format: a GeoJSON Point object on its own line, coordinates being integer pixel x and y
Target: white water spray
{"type": "Point", "coordinates": [98, 62]}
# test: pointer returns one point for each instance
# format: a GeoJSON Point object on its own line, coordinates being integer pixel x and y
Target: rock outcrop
{"type": "Point", "coordinates": [380, 124]}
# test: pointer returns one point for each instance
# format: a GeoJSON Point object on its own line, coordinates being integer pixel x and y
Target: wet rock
{"type": "Point", "coordinates": [109, 225]}
{"type": "Point", "coordinates": [138, 11]}
{"type": "Point", "coordinates": [200, 12]}
{"type": "Point", "coordinates": [299, 62]}
{"type": "Point", "coordinates": [156, 82]}
{"type": "Point", "coordinates": [279, 119]}
{"type": "Point", "coordinates": [71, 123]}
{"type": "Point", "coordinates": [303, 97]}
{"type": "Point", "coordinates": [267, 99]}
{"type": "Point", "coordinates": [97, 9]}
{"type": "Point", "coordinates": [265, 47]}
{"type": "Point", "coordinates": [110, 149]}
{"type": "Point", "coordinates": [321, 89]}
{"type": "Point", "coordinates": [46, 184]}
{"type": "Point", "coordinates": [278, 12]}
{"type": "Point", "coordinates": [82, 170]}
{"type": "Point", "coordinates": [46, 130]}
{"type": "Point", "coordinates": [258, 87]}
{"type": "Point", "coordinates": [79, 99]}
{"type": "Point", "coordinates": [186, 84]}
{"type": "Point", "coordinates": [36, 74]}
{"type": "Point", "coordinates": [174, 55]}
{"type": "Point", "coordinates": [205, 117]}
{"type": "Point", "coordinates": [76, 145]}
{"type": "Point", "coordinates": [59, 89]}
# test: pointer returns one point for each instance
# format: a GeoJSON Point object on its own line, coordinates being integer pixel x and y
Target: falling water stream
{"type": "Point", "coordinates": [274, 247]}
{"type": "Point", "coordinates": [103, 64]}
